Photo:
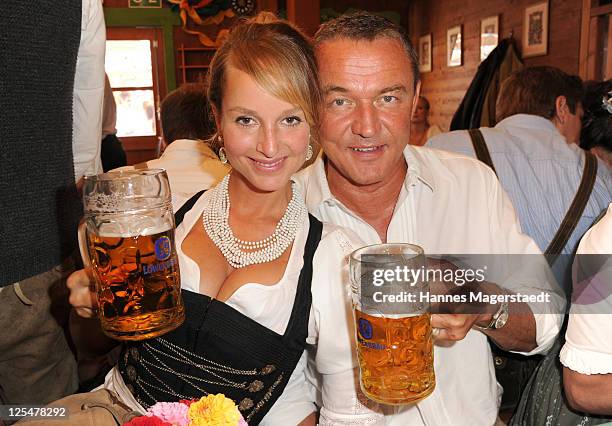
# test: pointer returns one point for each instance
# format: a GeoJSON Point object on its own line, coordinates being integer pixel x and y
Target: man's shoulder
{"type": "Point", "coordinates": [448, 137]}
{"type": "Point", "coordinates": [442, 160]}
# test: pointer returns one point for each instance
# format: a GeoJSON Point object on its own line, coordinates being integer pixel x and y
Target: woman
{"type": "Point", "coordinates": [587, 353]}
{"type": "Point", "coordinates": [421, 131]}
{"type": "Point", "coordinates": [246, 251]}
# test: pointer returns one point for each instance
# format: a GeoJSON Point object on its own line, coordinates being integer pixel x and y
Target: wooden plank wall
{"type": "Point", "coordinates": [445, 87]}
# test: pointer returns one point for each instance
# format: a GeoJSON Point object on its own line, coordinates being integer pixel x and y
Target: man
{"type": "Point", "coordinates": [190, 163]}
{"type": "Point", "coordinates": [535, 154]}
{"type": "Point", "coordinates": [371, 181]}
{"type": "Point", "coordinates": [52, 85]}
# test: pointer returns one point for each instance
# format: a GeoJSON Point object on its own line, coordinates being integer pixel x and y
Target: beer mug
{"type": "Point", "coordinates": [127, 238]}
{"type": "Point", "coordinates": [392, 323]}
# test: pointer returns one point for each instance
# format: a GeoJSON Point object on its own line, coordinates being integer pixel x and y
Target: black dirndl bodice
{"type": "Point", "coordinates": [219, 350]}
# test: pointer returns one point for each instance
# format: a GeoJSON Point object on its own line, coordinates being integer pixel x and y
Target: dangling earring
{"type": "Point", "coordinates": [309, 152]}
{"type": "Point", "coordinates": [309, 149]}
{"type": "Point", "coordinates": [222, 155]}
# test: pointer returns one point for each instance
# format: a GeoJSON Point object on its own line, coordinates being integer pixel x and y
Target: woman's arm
{"type": "Point", "coordinates": [588, 393]}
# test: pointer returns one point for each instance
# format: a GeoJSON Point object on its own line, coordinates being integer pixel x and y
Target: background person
{"type": "Point", "coordinates": [534, 152]}
{"type": "Point", "coordinates": [421, 131]}
{"type": "Point", "coordinates": [187, 157]}
{"type": "Point", "coordinates": [597, 120]}
{"type": "Point", "coordinates": [112, 153]}
{"type": "Point", "coordinates": [51, 125]}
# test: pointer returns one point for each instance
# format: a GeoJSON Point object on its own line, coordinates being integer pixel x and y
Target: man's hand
{"type": "Point", "coordinates": [452, 319]}
{"type": "Point", "coordinates": [453, 326]}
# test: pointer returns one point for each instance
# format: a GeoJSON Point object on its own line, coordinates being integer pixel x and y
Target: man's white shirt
{"type": "Point", "coordinates": [449, 204]}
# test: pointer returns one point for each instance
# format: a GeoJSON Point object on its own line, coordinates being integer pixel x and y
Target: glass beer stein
{"type": "Point", "coordinates": [392, 323]}
{"type": "Point", "coordinates": [127, 238]}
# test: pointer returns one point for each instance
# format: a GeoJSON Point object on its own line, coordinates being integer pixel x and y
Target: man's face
{"type": "Point", "coordinates": [368, 103]}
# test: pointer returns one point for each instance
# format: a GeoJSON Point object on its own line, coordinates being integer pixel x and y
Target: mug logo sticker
{"type": "Point", "coordinates": [162, 248]}
{"type": "Point", "coordinates": [365, 328]}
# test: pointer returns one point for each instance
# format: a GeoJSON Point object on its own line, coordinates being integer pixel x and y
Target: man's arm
{"type": "Point", "coordinates": [531, 328]}
{"type": "Point", "coordinates": [89, 91]}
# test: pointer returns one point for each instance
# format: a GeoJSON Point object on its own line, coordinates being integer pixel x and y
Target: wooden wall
{"type": "Point", "coordinates": [445, 87]}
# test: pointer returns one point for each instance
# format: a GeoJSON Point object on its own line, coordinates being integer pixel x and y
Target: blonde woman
{"type": "Point", "coordinates": [246, 250]}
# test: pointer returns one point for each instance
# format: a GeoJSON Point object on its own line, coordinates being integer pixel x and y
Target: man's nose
{"type": "Point", "coordinates": [365, 120]}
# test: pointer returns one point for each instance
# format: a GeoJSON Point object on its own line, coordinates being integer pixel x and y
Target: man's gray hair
{"type": "Point", "coordinates": [367, 26]}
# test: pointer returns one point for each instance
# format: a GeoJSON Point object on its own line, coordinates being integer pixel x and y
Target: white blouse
{"type": "Point", "coordinates": [588, 339]}
{"type": "Point", "coordinates": [271, 305]}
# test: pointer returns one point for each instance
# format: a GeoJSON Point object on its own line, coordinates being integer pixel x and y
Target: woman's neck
{"type": "Point", "coordinates": [248, 201]}
{"type": "Point", "coordinates": [419, 127]}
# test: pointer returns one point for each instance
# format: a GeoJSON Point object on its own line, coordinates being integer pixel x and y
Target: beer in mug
{"type": "Point", "coordinates": [395, 357]}
{"type": "Point", "coordinates": [128, 231]}
{"type": "Point", "coordinates": [392, 323]}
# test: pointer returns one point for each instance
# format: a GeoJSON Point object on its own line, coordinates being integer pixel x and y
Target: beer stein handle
{"type": "Point", "coordinates": [83, 244]}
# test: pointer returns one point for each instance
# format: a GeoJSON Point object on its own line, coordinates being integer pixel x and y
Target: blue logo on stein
{"type": "Point", "coordinates": [162, 248]}
{"type": "Point", "coordinates": [365, 328]}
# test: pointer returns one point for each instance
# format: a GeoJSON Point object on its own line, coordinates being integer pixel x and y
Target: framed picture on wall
{"type": "Point", "coordinates": [535, 30]}
{"type": "Point", "coordinates": [454, 53]}
{"type": "Point", "coordinates": [489, 35]}
{"type": "Point", "coordinates": [425, 53]}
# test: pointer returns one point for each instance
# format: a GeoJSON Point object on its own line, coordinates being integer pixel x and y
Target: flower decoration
{"type": "Point", "coordinates": [607, 102]}
{"type": "Point", "coordinates": [147, 421]}
{"type": "Point", "coordinates": [174, 413]}
{"type": "Point", "coordinates": [211, 410]}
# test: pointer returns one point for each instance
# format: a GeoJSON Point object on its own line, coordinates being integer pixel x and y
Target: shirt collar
{"type": "Point", "coordinates": [191, 145]}
{"type": "Point", "coordinates": [528, 121]}
{"type": "Point", "coordinates": [317, 189]}
{"type": "Point", "coordinates": [416, 171]}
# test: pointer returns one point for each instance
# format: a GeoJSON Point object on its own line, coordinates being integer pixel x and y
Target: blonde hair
{"type": "Point", "coordinates": [278, 57]}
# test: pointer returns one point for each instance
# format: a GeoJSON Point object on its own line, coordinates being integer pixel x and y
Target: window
{"type": "Point", "coordinates": [134, 65]}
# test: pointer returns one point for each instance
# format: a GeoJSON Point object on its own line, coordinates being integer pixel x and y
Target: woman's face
{"type": "Point", "coordinates": [265, 138]}
{"type": "Point", "coordinates": [420, 112]}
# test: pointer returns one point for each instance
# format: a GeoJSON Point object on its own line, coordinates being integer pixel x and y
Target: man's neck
{"type": "Point", "coordinates": [373, 203]}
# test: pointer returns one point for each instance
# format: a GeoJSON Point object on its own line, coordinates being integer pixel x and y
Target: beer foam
{"type": "Point", "coordinates": [103, 202]}
{"type": "Point", "coordinates": [116, 202]}
{"type": "Point", "coordinates": [132, 227]}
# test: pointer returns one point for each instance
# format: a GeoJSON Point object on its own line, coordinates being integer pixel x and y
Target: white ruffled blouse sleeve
{"type": "Point", "coordinates": [331, 332]}
{"type": "Point", "coordinates": [588, 339]}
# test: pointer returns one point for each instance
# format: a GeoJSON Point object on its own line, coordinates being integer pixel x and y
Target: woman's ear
{"type": "Point", "coordinates": [217, 117]}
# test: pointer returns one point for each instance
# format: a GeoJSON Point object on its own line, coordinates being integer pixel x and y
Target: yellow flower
{"type": "Point", "coordinates": [214, 410]}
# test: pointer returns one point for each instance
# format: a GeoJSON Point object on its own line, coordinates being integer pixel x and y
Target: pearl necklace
{"type": "Point", "coordinates": [240, 253]}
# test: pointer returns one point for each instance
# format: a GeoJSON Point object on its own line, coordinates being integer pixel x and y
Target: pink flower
{"type": "Point", "coordinates": [174, 413]}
